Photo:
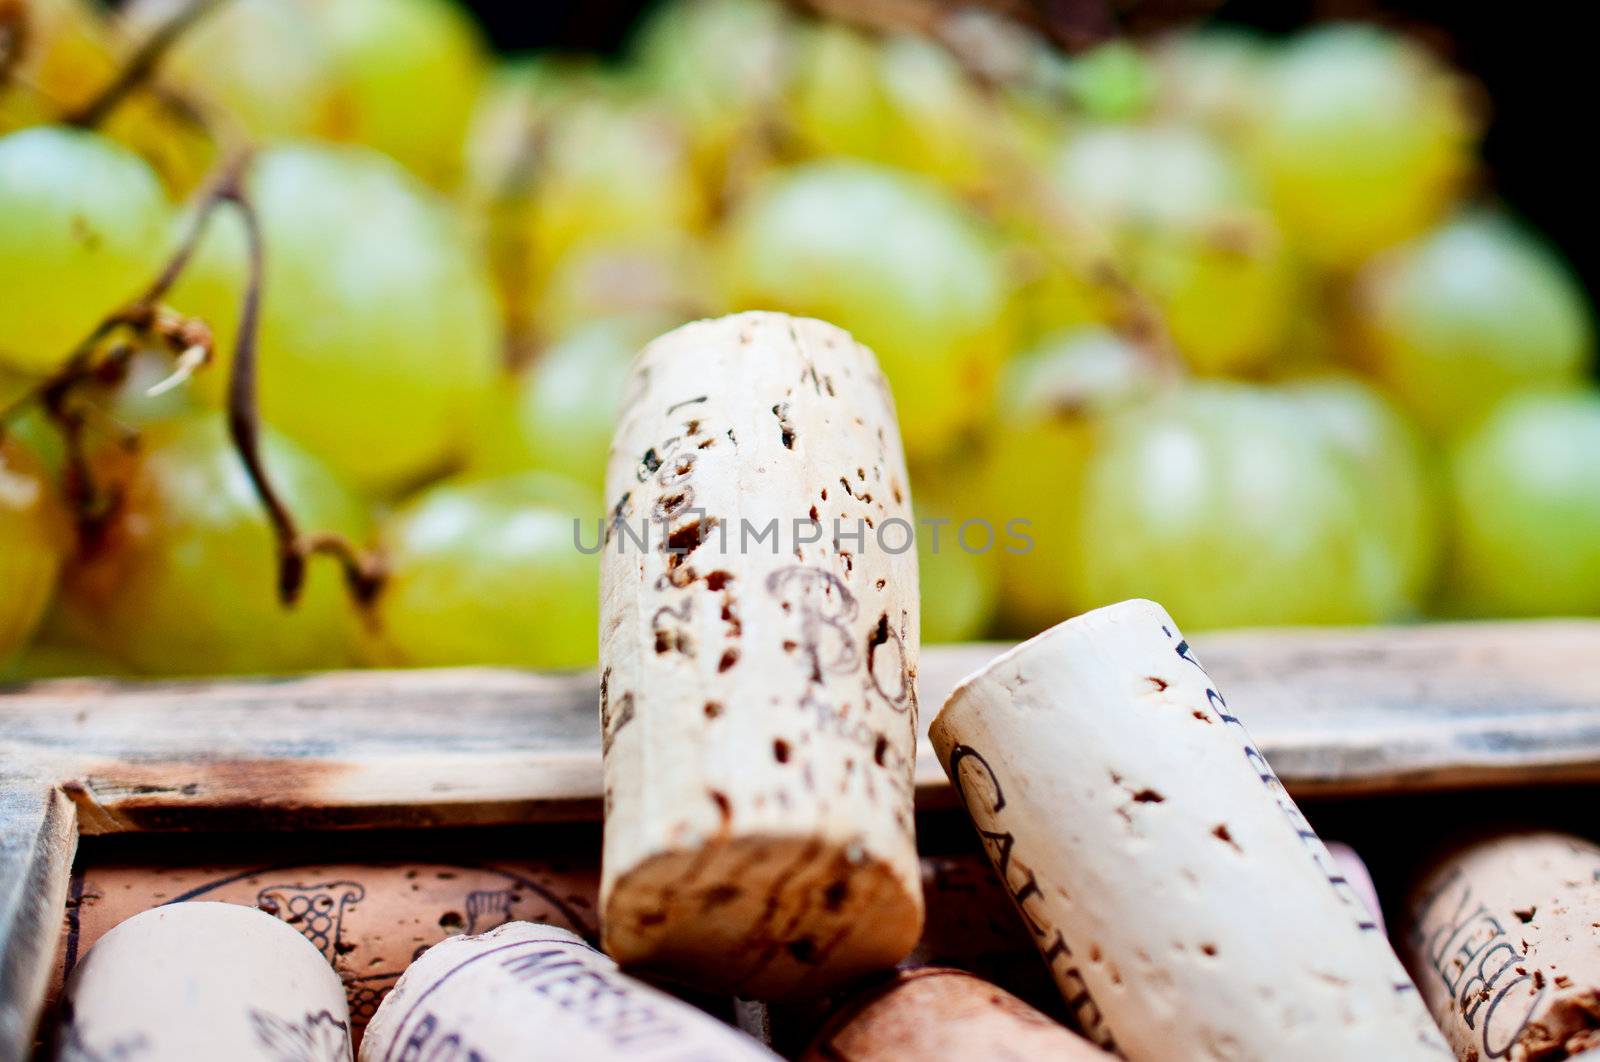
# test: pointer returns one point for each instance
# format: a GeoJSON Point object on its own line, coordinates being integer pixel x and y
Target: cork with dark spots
{"type": "Point", "coordinates": [770, 647]}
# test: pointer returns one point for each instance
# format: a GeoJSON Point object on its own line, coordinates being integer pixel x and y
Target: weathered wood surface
{"type": "Point", "coordinates": [37, 839]}
{"type": "Point", "coordinates": [1336, 711]}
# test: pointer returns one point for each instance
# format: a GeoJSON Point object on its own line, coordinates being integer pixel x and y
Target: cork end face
{"type": "Point", "coordinates": [762, 917]}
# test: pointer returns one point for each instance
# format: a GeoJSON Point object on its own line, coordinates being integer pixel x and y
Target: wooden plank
{"type": "Point", "coordinates": [38, 837]}
{"type": "Point", "coordinates": [1337, 712]}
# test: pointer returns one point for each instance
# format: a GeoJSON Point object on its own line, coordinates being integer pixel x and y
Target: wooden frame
{"type": "Point", "coordinates": [1337, 711]}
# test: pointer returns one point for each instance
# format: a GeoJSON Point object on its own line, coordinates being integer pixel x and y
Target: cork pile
{"type": "Point", "coordinates": [760, 859]}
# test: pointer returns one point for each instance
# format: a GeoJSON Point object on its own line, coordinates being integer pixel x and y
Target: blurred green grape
{"type": "Point", "coordinates": [379, 337]}
{"type": "Point", "coordinates": [1210, 77]}
{"type": "Point", "coordinates": [1527, 509]}
{"type": "Point", "coordinates": [892, 260]}
{"type": "Point", "coordinates": [560, 412]}
{"type": "Point", "coordinates": [489, 572]}
{"type": "Point", "coordinates": [182, 579]}
{"type": "Point", "coordinates": [611, 170]}
{"type": "Point", "coordinates": [960, 585]}
{"type": "Point", "coordinates": [1112, 82]}
{"type": "Point", "coordinates": [1399, 478]}
{"type": "Point", "coordinates": [1216, 501]}
{"type": "Point", "coordinates": [721, 64]}
{"type": "Point", "coordinates": [667, 279]}
{"type": "Point", "coordinates": [408, 73]}
{"type": "Point", "coordinates": [1363, 137]}
{"type": "Point", "coordinates": [84, 231]}
{"type": "Point", "coordinates": [1051, 400]}
{"type": "Point", "coordinates": [1185, 221]}
{"type": "Point", "coordinates": [35, 536]}
{"type": "Point", "coordinates": [1455, 320]}
{"type": "Point", "coordinates": [257, 63]}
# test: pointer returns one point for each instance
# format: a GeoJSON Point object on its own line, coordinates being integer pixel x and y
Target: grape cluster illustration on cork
{"type": "Point", "coordinates": [830, 530]}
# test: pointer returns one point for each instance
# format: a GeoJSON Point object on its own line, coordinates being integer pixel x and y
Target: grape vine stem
{"type": "Point", "coordinates": [143, 63]}
{"type": "Point", "coordinates": [363, 571]}
{"type": "Point", "coordinates": [146, 316]}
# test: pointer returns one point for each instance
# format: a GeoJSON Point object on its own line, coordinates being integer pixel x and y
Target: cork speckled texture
{"type": "Point", "coordinates": [368, 920]}
{"type": "Point", "coordinates": [758, 704]}
{"type": "Point", "coordinates": [1504, 940]}
{"type": "Point", "coordinates": [526, 991]}
{"type": "Point", "coordinates": [1184, 904]}
{"type": "Point", "coordinates": [935, 1013]}
{"type": "Point", "coordinates": [197, 982]}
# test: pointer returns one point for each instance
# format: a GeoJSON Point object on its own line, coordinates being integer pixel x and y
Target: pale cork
{"type": "Point", "coordinates": [935, 1013]}
{"type": "Point", "coordinates": [369, 920]}
{"type": "Point", "coordinates": [533, 991]}
{"type": "Point", "coordinates": [1504, 940]}
{"type": "Point", "coordinates": [758, 696]}
{"type": "Point", "coordinates": [197, 982]}
{"type": "Point", "coordinates": [1186, 907]}
{"type": "Point", "coordinates": [1354, 871]}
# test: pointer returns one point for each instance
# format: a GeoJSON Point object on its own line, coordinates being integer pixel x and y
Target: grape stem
{"type": "Point", "coordinates": [143, 63]}
{"type": "Point", "coordinates": [191, 342]}
{"type": "Point", "coordinates": [363, 571]}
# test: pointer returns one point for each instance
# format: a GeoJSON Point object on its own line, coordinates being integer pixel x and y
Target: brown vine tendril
{"type": "Point", "coordinates": [363, 571]}
{"type": "Point", "coordinates": [190, 340]}
{"type": "Point", "coordinates": [142, 64]}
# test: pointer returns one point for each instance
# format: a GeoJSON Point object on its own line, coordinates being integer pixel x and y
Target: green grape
{"type": "Point", "coordinates": [489, 572]}
{"type": "Point", "coordinates": [1216, 501]}
{"type": "Point", "coordinates": [1527, 509]}
{"type": "Point", "coordinates": [408, 73]}
{"type": "Point", "coordinates": [183, 578]}
{"type": "Point", "coordinates": [960, 587]}
{"type": "Point", "coordinates": [612, 169]}
{"type": "Point", "coordinates": [1363, 139]}
{"type": "Point", "coordinates": [34, 537]}
{"type": "Point", "coordinates": [1398, 475]}
{"type": "Point", "coordinates": [560, 413]}
{"type": "Point", "coordinates": [1457, 319]}
{"type": "Point", "coordinates": [720, 64]}
{"type": "Point", "coordinates": [1210, 77]}
{"type": "Point", "coordinates": [256, 62]}
{"type": "Point", "coordinates": [85, 229]}
{"type": "Point", "coordinates": [665, 277]}
{"type": "Point", "coordinates": [379, 335]}
{"type": "Point", "coordinates": [1051, 399]}
{"type": "Point", "coordinates": [55, 56]}
{"type": "Point", "coordinates": [836, 101]}
{"type": "Point", "coordinates": [1184, 220]}
{"type": "Point", "coordinates": [891, 260]}
{"type": "Point", "coordinates": [904, 101]}
{"type": "Point", "coordinates": [1111, 82]}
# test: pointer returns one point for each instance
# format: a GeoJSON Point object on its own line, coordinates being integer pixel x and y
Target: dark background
{"type": "Point", "coordinates": [1535, 62]}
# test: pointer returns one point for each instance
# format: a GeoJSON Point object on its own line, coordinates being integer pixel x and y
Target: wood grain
{"type": "Point", "coordinates": [1336, 711]}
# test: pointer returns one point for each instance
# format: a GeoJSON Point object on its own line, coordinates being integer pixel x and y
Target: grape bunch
{"type": "Point", "coordinates": [315, 315]}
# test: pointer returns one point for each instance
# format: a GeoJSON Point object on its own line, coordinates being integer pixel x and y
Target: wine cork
{"type": "Point", "coordinates": [533, 991]}
{"type": "Point", "coordinates": [1504, 940]}
{"type": "Point", "coordinates": [1186, 907]}
{"type": "Point", "coordinates": [933, 1013]}
{"type": "Point", "coordinates": [369, 920]}
{"type": "Point", "coordinates": [758, 651]}
{"type": "Point", "coordinates": [1354, 871]}
{"type": "Point", "coordinates": [204, 981]}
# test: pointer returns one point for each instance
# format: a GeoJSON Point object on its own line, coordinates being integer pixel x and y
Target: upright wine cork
{"type": "Point", "coordinates": [1504, 940]}
{"type": "Point", "coordinates": [533, 991]}
{"type": "Point", "coordinates": [1185, 905]}
{"type": "Point", "coordinates": [758, 650]}
{"type": "Point", "coordinates": [933, 1013]}
{"type": "Point", "coordinates": [201, 982]}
